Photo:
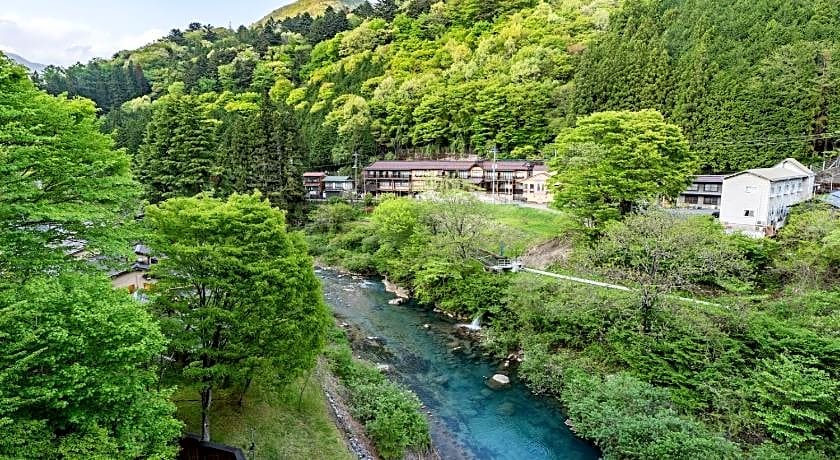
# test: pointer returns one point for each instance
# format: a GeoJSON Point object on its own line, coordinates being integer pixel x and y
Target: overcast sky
{"type": "Point", "coordinates": [66, 31]}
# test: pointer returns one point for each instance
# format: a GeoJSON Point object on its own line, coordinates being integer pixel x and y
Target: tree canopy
{"type": "Point", "coordinates": [62, 181]}
{"type": "Point", "coordinates": [77, 359]}
{"type": "Point", "coordinates": [236, 294]}
{"type": "Point", "coordinates": [612, 162]}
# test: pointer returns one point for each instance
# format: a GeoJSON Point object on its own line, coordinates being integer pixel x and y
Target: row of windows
{"type": "Point", "coordinates": [706, 187]}
{"type": "Point", "coordinates": [712, 200]}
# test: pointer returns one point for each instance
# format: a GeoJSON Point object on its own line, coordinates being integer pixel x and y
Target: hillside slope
{"type": "Point", "coordinates": [313, 7]}
{"type": "Point", "coordinates": [32, 66]}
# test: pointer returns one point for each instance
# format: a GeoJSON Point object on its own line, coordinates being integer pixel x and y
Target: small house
{"type": "Point", "coordinates": [704, 192]}
{"type": "Point", "coordinates": [535, 188]}
{"type": "Point", "coordinates": [313, 183]}
{"type": "Point", "coordinates": [341, 186]}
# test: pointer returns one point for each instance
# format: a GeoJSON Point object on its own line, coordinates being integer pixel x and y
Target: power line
{"type": "Point", "coordinates": [774, 140]}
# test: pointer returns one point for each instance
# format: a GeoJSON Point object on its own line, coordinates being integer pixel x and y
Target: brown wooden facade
{"type": "Point", "coordinates": [502, 177]}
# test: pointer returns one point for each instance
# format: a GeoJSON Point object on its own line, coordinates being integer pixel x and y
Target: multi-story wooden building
{"type": "Point", "coordinates": [502, 178]}
{"type": "Point", "coordinates": [338, 186]}
{"type": "Point", "coordinates": [313, 183]}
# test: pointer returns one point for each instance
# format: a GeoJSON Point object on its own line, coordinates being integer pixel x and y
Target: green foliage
{"type": "Point", "coordinates": [750, 82]}
{"type": "Point", "coordinates": [612, 162]}
{"type": "Point", "coordinates": [797, 403]}
{"type": "Point", "coordinates": [391, 414]}
{"type": "Point", "coordinates": [60, 179]}
{"type": "Point", "coordinates": [659, 252]}
{"type": "Point", "coordinates": [332, 217]}
{"type": "Point", "coordinates": [808, 245]}
{"type": "Point", "coordinates": [236, 291]}
{"type": "Point", "coordinates": [99, 398]}
{"type": "Point", "coordinates": [631, 419]}
{"type": "Point", "coordinates": [176, 158]}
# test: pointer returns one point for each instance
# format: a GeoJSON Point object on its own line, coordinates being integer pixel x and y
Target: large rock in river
{"type": "Point", "coordinates": [498, 381]}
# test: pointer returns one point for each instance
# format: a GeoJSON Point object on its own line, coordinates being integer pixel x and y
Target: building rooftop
{"type": "Point", "coordinates": [788, 168]}
{"type": "Point", "coordinates": [314, 174]}
{"type": "Point", "coordinates": [772, 174]}
{"type": "Point", "coordinates": [423, 164]}
{"type": "Point", "coordinates": [507, 165]}
{"type": "Point", "coordinates": [337, 179]}
{"type": "Point", "coordinates": [833, 199]}
{"type": "Point", "coordinates": [454, 165]}
{"type": "Point", "coordinates": [142, 250]}
{"type": "Point", "coordinates": [708, 178]}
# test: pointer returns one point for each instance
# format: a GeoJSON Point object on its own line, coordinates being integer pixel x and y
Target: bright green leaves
{"type": "Point", "coordinates": [237, 293]}
{"type": "Point", "coordinates": [612, 162]}
{"type": "Point", "coordinates": [177, 156]}
{"type": "Point", "coordinates": [797, 403]}
{"type": "Point", "coordinates": [59, 176]}
{"type": "Point", "coordinates": [72, 361]}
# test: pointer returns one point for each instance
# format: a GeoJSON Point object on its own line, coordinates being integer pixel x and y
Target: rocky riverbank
{"type": "Point", "coordinates": [353, 431]}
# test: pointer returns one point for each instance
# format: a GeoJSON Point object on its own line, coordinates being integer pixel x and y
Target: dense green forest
{"type": "Point", "coordinates": [717, 85]}
{"type": "Point", "coordinates": [748, 82]}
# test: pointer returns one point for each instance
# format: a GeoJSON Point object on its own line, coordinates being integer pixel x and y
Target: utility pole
{"type": "Point", "coordinates": [493, 186]}
{"type": "Point", "coordinates": [356, 174]}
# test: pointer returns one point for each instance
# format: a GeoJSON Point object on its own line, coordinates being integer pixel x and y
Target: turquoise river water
{"type": "Point", "coordinates": [468, 420]}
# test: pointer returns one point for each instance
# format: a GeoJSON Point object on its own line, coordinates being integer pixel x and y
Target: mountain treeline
{"type": "Point", "coordinates": [749, 82]}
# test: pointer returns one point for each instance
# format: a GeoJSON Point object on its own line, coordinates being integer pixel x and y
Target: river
{"type": "Point", "coordinates": [468, 420]}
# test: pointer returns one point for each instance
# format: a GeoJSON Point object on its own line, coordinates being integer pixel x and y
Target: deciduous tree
{"type": "Point", "coordinates": [613, 161]}
{"type": "Point", "coordinates": [237, 293]}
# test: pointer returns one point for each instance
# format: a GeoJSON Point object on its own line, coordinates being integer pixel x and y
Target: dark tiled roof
{"type": "Point", "coordinates": [507, 165]}
{"type": "Point", "coordinates": [708, 178]}
{"type": "Point", "coordinates": [421, 165]}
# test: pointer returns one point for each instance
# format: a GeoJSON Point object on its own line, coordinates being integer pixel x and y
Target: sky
{"type": "Point", "coordinates": [64, 32]}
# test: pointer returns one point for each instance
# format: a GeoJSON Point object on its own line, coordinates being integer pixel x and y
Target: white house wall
{"type": "Point", "coordinates": [741, 193]}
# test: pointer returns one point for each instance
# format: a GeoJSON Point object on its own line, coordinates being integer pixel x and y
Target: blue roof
{"type": "Point", "coordinates": [833, 199]}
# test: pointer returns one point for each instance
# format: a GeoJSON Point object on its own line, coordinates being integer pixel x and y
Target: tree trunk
{"type": "Point", "coordinates": [206, 399]}
{"type": "Point", "coordinates": [245, 390]}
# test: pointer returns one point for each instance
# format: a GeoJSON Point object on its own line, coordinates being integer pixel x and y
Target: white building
{"type": "Point", "coordinates": [756, 201]}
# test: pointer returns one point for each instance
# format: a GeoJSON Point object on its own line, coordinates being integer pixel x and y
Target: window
{"type": "Point", "coordinates": [749, 213]}
{"type": "Point", "coordinates": [750, 188]}
{"type": "Point", "coordinates": [693, 187]}
{"type": "Point", "coordinates": [711, 187]}
{"type": "Point", "coordinates": [691, 200]}
{"type": "Point", "coordinates": [711, 200]}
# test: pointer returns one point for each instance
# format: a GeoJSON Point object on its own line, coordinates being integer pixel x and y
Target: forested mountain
{"type": "Point", "coordinates": [749, 82]}
{"type": "Point", "coordinates": [313, 7]}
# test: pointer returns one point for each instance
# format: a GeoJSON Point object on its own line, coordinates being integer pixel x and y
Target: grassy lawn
{"type": "Point", "coordinates": [524, 227]}
{"type": "Point", "coordinates": [271, 420]}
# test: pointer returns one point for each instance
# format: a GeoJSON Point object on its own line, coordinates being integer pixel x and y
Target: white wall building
{"type": "Point", "coordinates": [756, 201]}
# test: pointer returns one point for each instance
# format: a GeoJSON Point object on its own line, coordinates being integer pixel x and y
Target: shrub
{"type": "Point", "coordinates": [631, 419]}
{"type": "Point", "coordinates": [391, 413]}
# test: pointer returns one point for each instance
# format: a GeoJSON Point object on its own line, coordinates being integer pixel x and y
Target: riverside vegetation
{"type": "Point", "coordinates": [751, 374]}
